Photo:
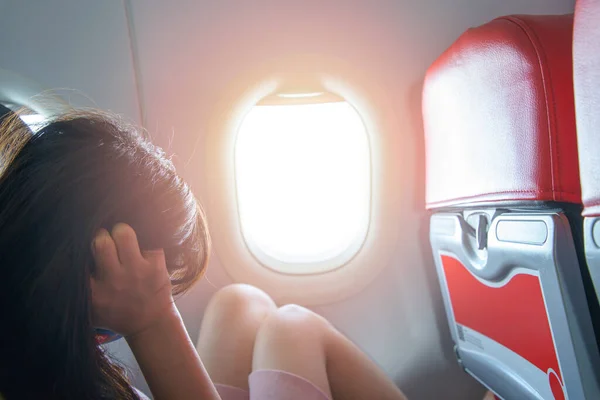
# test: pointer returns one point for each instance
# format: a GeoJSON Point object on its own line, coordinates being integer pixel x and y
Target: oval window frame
{"type": "Point", "coordinates": [217, 191]}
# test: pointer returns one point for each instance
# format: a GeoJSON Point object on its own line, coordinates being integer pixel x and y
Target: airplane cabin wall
{"type": "Point", "coordinates": [166, 63]}
{"type": "Point", "coordinates": [79, 46]}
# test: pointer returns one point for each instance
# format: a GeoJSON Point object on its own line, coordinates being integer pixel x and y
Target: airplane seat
{"type": "Point", "coordinates": [502, 184]}
{"type": "Point", "coordinates": [586, 70]}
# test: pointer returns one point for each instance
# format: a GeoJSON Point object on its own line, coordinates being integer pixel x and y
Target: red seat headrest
{"type": "Point", "coordinates": [499, 116]}
{"type": "Point", "coordinates": [586, 62]}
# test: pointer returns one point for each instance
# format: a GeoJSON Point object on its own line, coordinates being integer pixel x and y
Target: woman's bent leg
{"type": "Point", "coordinates": [300, 342]}
{"type": "Point", "coordinates": [229, 327]}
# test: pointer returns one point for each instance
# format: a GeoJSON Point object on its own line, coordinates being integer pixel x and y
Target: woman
{"type": "Point", "coordinates": [81, 172]}
{"type": "Point", "coordinates": [87, 178]}
{"type": "Point", "coordinates": [250, 348]}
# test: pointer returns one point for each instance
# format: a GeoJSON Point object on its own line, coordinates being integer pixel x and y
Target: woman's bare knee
{"type": "Point", "coordinates": [292, 339]}
{"type": "Point", "coordinates": [240, 298]}
{"type": "Point", "coordinates": [229, 327]}
{"type": "Point", "coordinates": [235, 308]}
{"type": "Point", "coordinates": [291, 324]}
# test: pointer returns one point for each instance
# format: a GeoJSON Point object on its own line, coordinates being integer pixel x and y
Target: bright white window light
{"type": "Point", "coordinates": [303, 185]}
{"type": "Point", "coordinates": [34, 121]}
{"type": "Point", "coordinates": [299, 95]}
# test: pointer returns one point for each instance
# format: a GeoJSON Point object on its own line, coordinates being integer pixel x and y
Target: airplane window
{"type": "Point", "coordinates": [303, 184]}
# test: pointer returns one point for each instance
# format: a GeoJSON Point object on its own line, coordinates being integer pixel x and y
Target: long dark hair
{"type": "Point", "coordinates": [80, 172]}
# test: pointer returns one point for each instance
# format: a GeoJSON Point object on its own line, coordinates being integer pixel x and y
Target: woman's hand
{"type": "Point", "coordinates": [131, 295]}
{"type": "Point", "coordinates": [131, 290]}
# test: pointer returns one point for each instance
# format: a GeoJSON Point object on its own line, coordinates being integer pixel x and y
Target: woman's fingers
{"type": "Point", "coordinates": [157, 263]}
{"type": "Point", "coordinates": [134, 290]}
{"type": "Point", "coordinates": [105, 254]}
{"type": "Point", "coordinates": [154, 257]}
{"type": "Point", "coordinates": [128, 248]}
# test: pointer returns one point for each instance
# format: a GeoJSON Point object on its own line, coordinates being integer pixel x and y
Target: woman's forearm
{"type": "Point", "coordinates": [169, 361]}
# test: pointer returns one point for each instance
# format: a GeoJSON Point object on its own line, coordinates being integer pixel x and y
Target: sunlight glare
{"type": "Point", "coordinates": [34, 121]}
{"type": "Point", "coordinates": [303, 180]}
{"type": "Point", "coordinates": [299, 95]}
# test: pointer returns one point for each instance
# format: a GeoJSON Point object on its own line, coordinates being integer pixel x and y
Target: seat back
{"type": "Point", "coordinates": [502, 181]}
